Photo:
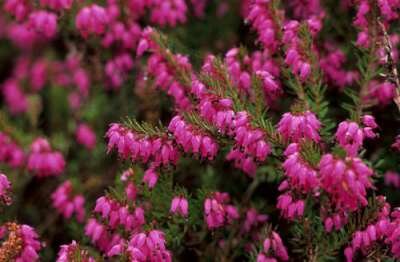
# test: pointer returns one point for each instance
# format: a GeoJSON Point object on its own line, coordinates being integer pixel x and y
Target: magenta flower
{"type": "Point", "coordinates": [392, 179]}
{"type": "Point", "coordinates": [191, 140]}
{"type": "Point", "coordinates": [350, 136]}
{"type": "Point", "coordinates": [152, 245]}
{"type": "Point", "coordinates": [18, 8]}
{"type": "Point", "coordinates": [5, 189]}
{"type": "Point", "coordinates": [10, 153]}
{"type": "Point", "coordinates": [14, 97]}
{"type": "Point", "coordinates": [273, 249]}
{"type": "Point", "coordinates": [43, 23]}
{"type": "Point", "coordinates": [217, 213]}
{"type": "Point", "coordinates": [262, 21]}
{"type": "Point", "coordinates": [345, 181]}
{"type": "Point", "coordinates": [92, 19]}
{"type": "Point", "coordinates": [69, 252]}
{"type": "Point", "coordinates": [67, 203]}
{"type": "Point", "coordinates": [22, 240]}
{"type": "Point", "coordinates": [180, 205]}
{"type": "Point", "coordinates": [295, 127]}
{"type": "Point", "coordinates": [168, 12]}
{"type": "Point", "coordinates": [117, 70]}
{"type": "Point", "coordinates": [85, 136]}
{"type": "Point", "coordinates": [300, 175]}
{"type": "Point", "coordinates": [159, 151]}
{"type": "Point", "coordinates": [44, 162]}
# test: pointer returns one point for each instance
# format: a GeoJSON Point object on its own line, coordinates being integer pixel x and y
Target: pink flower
{"type": "Point", "coordinates": [217, 213]}
{"type": "Point", "coordinates": [168, 12]}
{"type": "Point", "coordinates": [150, 177]}
{"type": "Point", "coordinates": [179, 205]}
{"type": "Point", "coordinates": [158, 151]}
{"type": "Point", "coordinates": [117, 70]}
{"type": "Point", "coordinates": [85, 136]}
{"type": "Point", "coordinates": [26, 239]}
{"type": "Point", "coordinates": [392, 179]}
{"type": "Point", "coordinates": [14, 97]}
{"type": "Point", "coordinates": [18, 8]}
{"type": "Point", "coordinates": [295, 127]}
{"type": "Point", "coordinates": [151, 245]}
{"type": "Point", "coordinates": [43, 23]}
{"type": "Point", "coordinates": [42, 161]}
{"type": "Point", "coordinates": [5, 189]}
{"type": "Point", "coordinates": [10, 153]}
{"type": "Point", "coordinates": [69, 252]}
{"type": "Point", "coordinates": [345, 181]}
{"type": "Point", "coordinates": [67, 203]}
{"type": "Point", "coordinates": [300, 174]}
{"type": "Point", "coordinates": [38, 75]}
{"type": "Point", "coordinates": [253, 220]}
{"type": "Point", "coordinates": [92, 19]}
{"type": "Point", "coordinates": [118, 214]}
{"type": "Point", "coordinates": [273, 249]}
{"type": "Point", "coordinates": [350, 136]}
{"type": "Point", "coordinates": [262, 21]}
{"type": "Point", "coordinates": [192, 140]}
{"type": "Point", "coordinates": [384, 92]}
{"type": "Point", "coordinates": [289, 207]}
{"type": "Point", "coordinates": [332, 65]}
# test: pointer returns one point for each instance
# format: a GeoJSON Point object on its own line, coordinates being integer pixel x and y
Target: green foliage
{"type": "Point", "coordinates": [145, 128]}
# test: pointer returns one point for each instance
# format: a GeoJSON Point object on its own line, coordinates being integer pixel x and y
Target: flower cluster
{"type": "Point", "coordinates": [21, 243]}
{"type": "Point", "coordinates": [180, 205]}
{"type": "Point", "coordinates": [346, 181]}
{"type": "Point", "coordinates": [5, 188]}
{"type": "Point", "coordinates": [273, 249]}
{"type": "Point", "coordinates": [116, 214]}
{"type": "Point", "coordinates": [191, 140]}
{"type": "Point", "coordinates": [301, 180]}
{"type": "Point", "coordinates": [117, 70]}
{"type": "Point", "coordinates": [350, 135]}
{"type": "Point", "coordinates": [10, 153]}
{"type": "Point", "coordinates": [92, 19]}
{"type": "Point", "coordinates": [263, 22]}
{"type": "Point", "coordinates": [295, 127]}
{"type": "Point", "coordinates": [159, 151]}
{"type": "Point", "coordinates": [68, 252]}
{"type": "Point", "coordinates": [100, 236]}
{"type": "Point", "coordinates": [85, 136]}
{"type": "Point", "coordinates": [44, 162]}
{"type": "Point", "coordinates": [217, 212]}
{"type": "Point", "coordinates": [392, 179]}
{"type": "Point", "coordinates": [242, 67]}
{"type": "Point", "coordinates": [388, 11]}
{"type": "Point", "coordinates": [148, 247]}
{"type": "Point", "coordinates": [67, 203]}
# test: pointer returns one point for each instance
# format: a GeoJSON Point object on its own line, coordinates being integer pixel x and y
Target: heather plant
{"type": "Point", "coordinates": [175, 130]}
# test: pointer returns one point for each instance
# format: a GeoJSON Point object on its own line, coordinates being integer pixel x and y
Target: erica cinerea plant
{"type": "Point", "coordinates": [174, 130]}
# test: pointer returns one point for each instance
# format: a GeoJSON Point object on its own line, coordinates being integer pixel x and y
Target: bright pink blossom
{"type": "Point", "coordinates": [217, 212]}
{"type": "Point", "coordinates": [67, 203]}
{"type": "Point", "coordinates": [42, 161]}
{"type": "Point", "coordinates": [346, 181]}
{"type": "Point", "coordinates": [295, 127]}
{"type": "Point", "coordinates": [92, 19]}
{"type": "Point", "coordinates": [180, 205]}
{"type": "Point", "coordinates": [85, 136]}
